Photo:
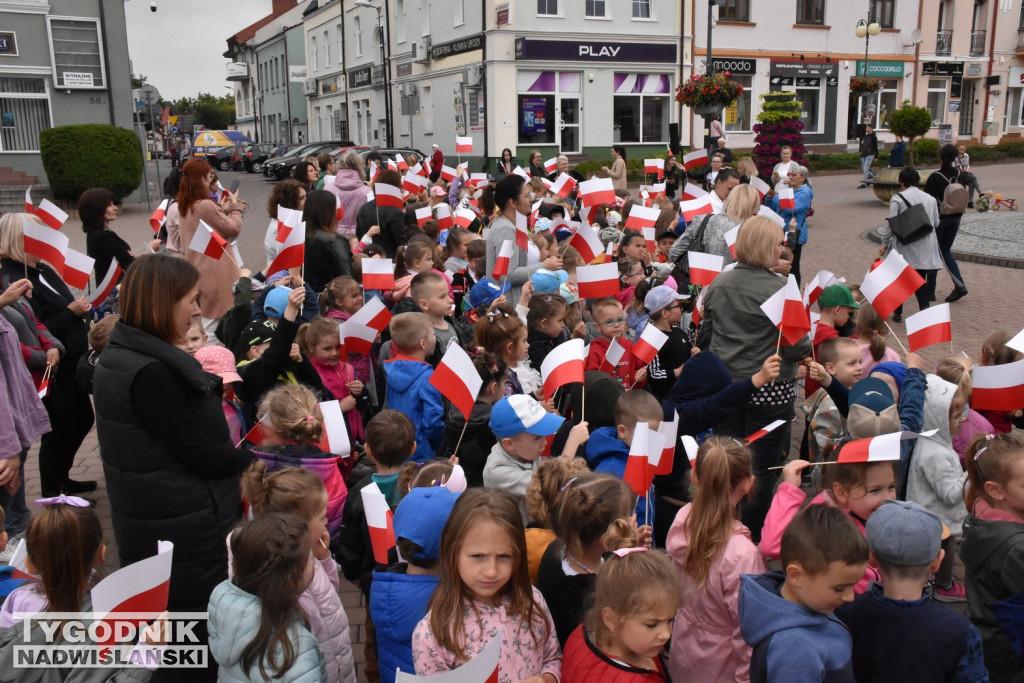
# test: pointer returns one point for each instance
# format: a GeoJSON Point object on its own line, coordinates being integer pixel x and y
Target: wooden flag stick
{"type": "Point", "coordinates": [898, 340]}
{"type": "Point", "coordinates": [778, 347]}
{"type": "Point", "coordinates": [459, 442]}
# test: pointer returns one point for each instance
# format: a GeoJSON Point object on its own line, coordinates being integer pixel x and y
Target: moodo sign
{"type": "Point", "coordinates": [735, 66]}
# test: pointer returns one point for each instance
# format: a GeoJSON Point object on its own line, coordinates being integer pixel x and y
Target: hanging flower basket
{"type": "Point", "coordinates": [709, 93]}
{"type": "Point", "coordinates": [865, 86]}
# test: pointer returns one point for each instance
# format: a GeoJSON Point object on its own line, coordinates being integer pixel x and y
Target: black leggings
{"type": "Point", "coordinates": [925, 292]}
{"type": "Point", "coordinates": [71, 418]}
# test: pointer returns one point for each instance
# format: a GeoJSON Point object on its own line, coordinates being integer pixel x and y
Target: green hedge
{"type": "Point", "coordinates": [90, 155]}
{"type": "Point", "coordinates": [926, 152]}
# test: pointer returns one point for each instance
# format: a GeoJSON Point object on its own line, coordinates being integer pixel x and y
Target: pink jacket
{"type": "Point", "coordinates": [706, 641]}
{"type": "Point", "coordinates": [520, 658]}
{"type": "Point", "coordinates": [349, 187]}
{"type": "Point", "coordinates": [868, 363]}
{"type": "Point", "coordinates": [787, 502]}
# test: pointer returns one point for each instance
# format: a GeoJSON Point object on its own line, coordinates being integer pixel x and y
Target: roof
{"type": "Point", "coordinates": [249, 32]}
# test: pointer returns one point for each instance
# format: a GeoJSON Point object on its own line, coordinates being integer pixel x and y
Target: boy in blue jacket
{"type": "Point", "coordinates": [399, 594]}
{"type": "Point", "coordinates": [408, 381]}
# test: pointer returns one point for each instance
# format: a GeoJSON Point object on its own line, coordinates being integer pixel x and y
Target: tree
{"type": "Point", "coordinates": [778, 124]}
{"type": "Point", "coordinates": [139, 81]}
{"type": "Point", "coordinates": [212, 112]}
{"type": "Point", "coordinates": [88, 155]}
{"type": "Point", "coordinates": [910, 122]}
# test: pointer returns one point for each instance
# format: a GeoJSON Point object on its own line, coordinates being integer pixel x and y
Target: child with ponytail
{"type": "Point", "coordinates": [339, 301]}
{"type": "Point", "coordinates": [993, 545]}
{"type": "Point", "coordinates": [543, 498]}
{"type": "Point", "coordinates": [712, 549]}
{"type": "Point", "coordinates": [501, 332]}
{"type": "Point", "coordinates": [320, 342]}
{"type": "Point", "coordinates": [871, 337]}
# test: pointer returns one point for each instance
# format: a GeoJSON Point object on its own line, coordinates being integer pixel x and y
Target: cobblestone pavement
{"type": "Point", "coordinates": [842, 216]}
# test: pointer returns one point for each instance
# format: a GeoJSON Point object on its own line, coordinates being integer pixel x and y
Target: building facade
{"type": "Point", "coordinates": [324, 87]}
{"type": "Point", "coordinates": [281, 72]}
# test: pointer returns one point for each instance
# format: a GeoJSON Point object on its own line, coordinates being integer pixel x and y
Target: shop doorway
{"type": "Point", "coordinates": [569, 124]}
{"type": "Point", "coordinates": [966, 129]}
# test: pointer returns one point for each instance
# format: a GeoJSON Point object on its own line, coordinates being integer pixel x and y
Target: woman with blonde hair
{"type": "Point", "coordinates": [747, 169]}
{"type": "Point", "coordinates": [742, 203]}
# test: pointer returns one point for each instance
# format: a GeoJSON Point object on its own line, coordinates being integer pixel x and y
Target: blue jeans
{"type": "Point", "coordinates": [13, 504]}
{"type": "Point", "coordinates": [946, 234]}
{"type": "Point", "coordinates": [865, 166]}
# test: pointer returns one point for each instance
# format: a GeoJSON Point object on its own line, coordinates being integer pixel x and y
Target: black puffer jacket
{"type": "Point", "coordinates": [172, 472]}
{"type": "Point", "coordinates": [477, 441]}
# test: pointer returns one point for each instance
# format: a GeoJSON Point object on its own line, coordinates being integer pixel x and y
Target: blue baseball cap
{"type": "Point", "coordinates": [519, 413]}
{"type": "Point", "coordinates": [545, 280]}
{"type": "Point", "coordinates": [485, 291]}
{"type": "Point", "coordinates": [276, 301]}
{"type": "Point", "coordinates": [420, 517]}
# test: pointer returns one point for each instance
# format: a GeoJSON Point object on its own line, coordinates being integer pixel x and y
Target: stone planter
{"type": "Point", "coordinates": [887, 182]}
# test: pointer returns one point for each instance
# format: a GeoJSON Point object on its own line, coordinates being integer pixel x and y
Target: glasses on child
{"type": "Point", "coordinates": [612, 321]}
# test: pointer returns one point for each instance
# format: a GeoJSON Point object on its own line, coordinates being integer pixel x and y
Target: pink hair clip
{"type": "Point", "coordinates": [988, 437]}
{"type": "Point", "coordinates": [73, 501]}
{"type": "Point", "coordinates": [310, 418]}
{"type": "Point", "coordinates": [622, 552]}
{"type": "Point", "coordinates": [567, 484]}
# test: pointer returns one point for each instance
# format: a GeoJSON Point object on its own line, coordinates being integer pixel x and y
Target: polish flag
{"type": "Point", "coordinates": [884, 448]}
{"type": "Point", "coordinates": [704, 267]}
{"type": "Point", "coordinates": [464, 217]}
{"type": "Point", "coordinates": [613, 356]}
{"type": "Point", "coordinates": [139, 591]}
{"type": "Point", "coordinates": [104, 288]}
{"type": "Point", "coordinates": [668, 431]}
{"type": "Point", "coordinates": [998, 387]}
{"type": "Point", "coordinates": [645, 197]}
{"type": "Point", "coordinates": [564, 365]}
{"type": "Point", "coordinates": [222, 191]}
{"type": "Point", "coordinates": [378, 522]}
{"type": "Point", "coordinates": [767, 429]}
{"type": "Point", "coordinates": [388, 195]}
{"type": "Point", "coordinates": [587, 243]}
{"type": "Point", "coordinates": [402, 164]}
{"type": "Point", "coordinates": [547, 184]}
{"type": "Point", "coordinates": [657, 190]}
{"type": "Point", "coordinates": [460, 171]}
{"type": "Point", "coordinates": [287, 220]}
{"type": "Point", "coordinates": [649, 237]}
{"type": "Point", "coordinates": [423, 215]}
{"type": "Point", "coordinates": [210, 243]}
{"type": "Point", "coordinates": [695, 159]}
{"type": "Point", "coordinates": [357, 338]}
{"type": "Point", "coordinates": [730, 240]}
{"type": "Point", "coordinates": [51, 214]}
{"type": "Point", "coordinates": [551, 165]}
{"type": "Point", "coordinates": [427, 170]}
{"type": "Point", "coordinates": [641, 217]}
{"type": "Point", "coordinates": [463, 144]}
{"type": "Point", "coordinates": [693, 192]}
{"type": "Point", "coordinates": [564, 185]}
{"type": "Point", "coordinates": [655, 166]}
{"type": "Point", "coordinates": [698, 308]}
{"type": "Point", "coordinates": [648, 344]}
{"type": "Point", "coordinates": [483, 668]}
{"type": "Point", "coordinates": [29, 206]}
{"type": "Point", "coordinates": [816, 286]}
{"type": "Point", "coordinates": [457, 379]}
{"type": "Point", "coordinates": [522, 173]}
{"type": "Point", "coordinates": [639, 473]}
{"type": "Point", "coordinates": [501, 263]}
{"type": "Point", "coordinates": [447, 173]}
{"type": "Point", "coordinates": [44, 386]}
{"type": "Point", "coordinates": [374, 171]}
{"type": "Point", "coordinates": [597, 191]}
{"type": "Point", "coordinates": [929, 327]}
{"type": "Point", "coordinates": [695, 207]}
{"type": "Point", "coordinates": [1017, 343]}
{"type": "Point", "coordinates": [417, 169]}
{"type": "Point", "coordinates": [477, 180]}
{"type": "Point", "coordinates": [596, 282]}
{"type": "Point", "coordinates": [768, 213]}
{"type": "Point", "coordinates": [786, 310]}
{"type": "Point", "coordinates": [159, 216]}
{"type": "Point", "coordinates": [335, 439]}
{"type": "Point", "coordinates": [49, 245]}
{"type": "Point", "coordinates": [339, 210]}
{"type": "Point", "coordinates": [443, 213]}
{"type": "Point", "coordinates": [414, 184]}
{"type": "Point", "coordinates": [534, 212]}
{"type": "Point", "coordinates": [787, 200]}
{"type": "Point", "coordinates": [77, 269]}
{"type": "Point", "coordinates": [373, 314]}
{"type": "Point", "coordinates": [378, 273]}
{"type": "Point", "coordinates": [890, 284]}
{"type": "Point", "coordinates": [608, 255]}
{"type": "Point", "coordinates": [292, 253]}
{"type": "Point", "coordinates": [522, 231]}
{"type": "Point", "coordinates": [760, 185]}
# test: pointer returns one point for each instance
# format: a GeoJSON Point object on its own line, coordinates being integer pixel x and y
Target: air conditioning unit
{"type": "Point", "coordinates": [421, 50]}
{"type": "Point", "coordinates": [473, 75]}
{"type": "Point", "coordinates": [309, 86]}
{"type": "Point", "coordinates": [409, 89]}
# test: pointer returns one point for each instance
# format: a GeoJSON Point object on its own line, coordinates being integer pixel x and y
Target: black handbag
{"type": "Point", "coordinates": [681, 268]}
{"type": "Point", "coordinates": [912, 224]}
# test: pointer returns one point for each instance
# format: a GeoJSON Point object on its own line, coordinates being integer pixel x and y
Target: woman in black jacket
{"type": "Point", "coordinates": [327, 252]}
{"type": "Point", "coordinates": [97, 210]}
{"type": "Point", "coordinates": [391, 220]}
{"type": "Point", "coordinates": [56, 307]}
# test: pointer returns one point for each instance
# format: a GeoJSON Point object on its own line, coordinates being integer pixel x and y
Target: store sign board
{"type": "Point", "coordinates": [595, 51]}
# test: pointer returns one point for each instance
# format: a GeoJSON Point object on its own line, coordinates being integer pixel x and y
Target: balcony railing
{"type": "Point", "coordinates": [977, 43]}
{"type": "Point", "coordinates": [1020, 39]}
{"type": "Point", "coordinates": [943, 42]}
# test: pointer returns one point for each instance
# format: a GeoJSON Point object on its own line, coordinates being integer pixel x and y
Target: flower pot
{"type": "Point", "coordinates": [706, 109]}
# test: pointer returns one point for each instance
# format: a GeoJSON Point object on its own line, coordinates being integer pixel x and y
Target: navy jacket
{"type": "Point", "coordinates": [398, 601]}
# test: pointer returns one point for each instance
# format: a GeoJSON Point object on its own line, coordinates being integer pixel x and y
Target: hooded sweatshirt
{"type": "Point", "coordinates": [791, 642]}
{"type": "Point", "coordinates": [993, 554]}
{"type": "Point", "coordinates": [606, 452]}
{"type": "Point", "coordinates": [397, 603]}
{"type": "Point", "coordinates": [324, 465]}
{"type": "Point", "coordinates": [410, 392]}
{"type": "Point", "coordinates": [936, 480]}
{"type": "Point", "coordinates": [352, 191]}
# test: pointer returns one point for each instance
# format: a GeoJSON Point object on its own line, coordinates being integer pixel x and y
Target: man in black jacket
{"type": "Point", "coordinates": [868, 152]}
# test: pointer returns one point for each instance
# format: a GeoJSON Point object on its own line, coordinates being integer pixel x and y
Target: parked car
{"type": "Point", "coordinates": [280, 169]}
{"type": "Point", "coordinates": [228, 158]}
{"type": "Point", "coordinates": [392, 152]}
{"type": "Point", "coordinates": [283, 152]}
{"type": "Point", "coordinates": [257, 154]}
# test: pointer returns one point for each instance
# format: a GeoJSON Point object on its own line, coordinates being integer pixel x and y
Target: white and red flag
{"type": "Point", "coordinates": [287, 220]}
{"type": "Point", "coordinates": [378, 522]}
{"type": "Point", "coordinates": [657, 190]}
{"type": "Point", "coordinates": [668, 431]}
{"type": "Point", "coordinates": [414, 184]}
{"type": "Point", "coordinates": [427, 168]}
{"type": "Point", "coordinates": [373, 314]}
{"type": "Point", "coordinates": [292, 253]}
{"type": "Point", "coordinates": [477, 180]}
{"type": "Point", "coordinates": [764, 431]}
{"type": "Point", "coordinates": [693, 192]}
{"type": "Point", "coordinates": [998, 387]}
{"type": "Point", "coordinates": [695, 207]}
{"type": "Point", "coordinates": [655, 167]}
{"type": "Point", "coordinates": [29, 206]}
{"type": "Point", "coordinates": [159, 216]}
{"type": "Point", "coordinates": [339, 210]}
{"type": "Point", "coordinates": [335, 438]}
{"type": "Point", "coordinates": [890, 284]}
{"type": "Point", "coordinates": [51, 214]}
{"type": "Point", "coordinates": [564, 365]}
{"type": "Point", "coordinates": [139, 591]}
{"type": "Point", "coordinates": [587, 243]}
{"type": "Point", "coordinates": [463, 144]}
{"type": "Point", "coordinates": [597, 191]}
{"type": "Point", "coordinates": [443, 213]}
{"type": "Point", "coordinates": [648, 344]}
{"type": "Point", "coordinates": [378, 273]}
{"type": "Point", "coordinates": [502, 261]}
{"type": "Point", "coordinates": [359, 332]}
{"type": "Point", "coordinates": [641, 217]}
{"type": "Point", "coordinates": [786, 310]}
{"type": "Point", "coordinates": [447, 173]}
{"type": "Point", "coordinates": [884, 448]}
{"type": "Point", "coordinates": [768, 213]}
{"type": "Point", "coordinates": [457, 379]}
{"type": "Point", "coordinates": [704, 267]}
{"type": "Point", "coordinates": [209, 242]}
{"type": "Point", "coordinates": [730, 240]}
{"type": "Point", "coordinates": [564, 185]}
{"type": "Point", "coordinates": [388, 195]}
{"type": "Point", "coordinates": [695, 159]}
{"type": "Point", "coordinates": [645, 198]}
{"type": "Point", "coordinates": [423, 215]}
{"type": "Point", "coordinates": [816, 286]}
{"type": "Point", "coordinates": [1017, 343]}
{"type": "Point", "coordinates": [523, 173]}
{"type": "Point", "coordinates": [551, 165]}
{"type": "Point", "coordinates": [104, 288]}
{"type": "Point", "coordinates": [644, 456]}
{"type": "Point", "coordinates": [929, 327]}
{"type": "Point", "coordinates": [392, 165]}
{"type": "Point", "coordinates": [760, 185]}
{"type": "Point", "coordinates": [483, 668]}
{"type": "Point", "coordinates": [613, 356]}
{"type": "Point", "coordinates": [598, 281]}
{"type": "Point", "coordinates": [374, 171]}
{"type": "Point", "coordinates": [49, 245]}
{"type": "Point", "coordinates": [650, 239]}
{"type": "Point", "coordinates": [787, 200]}
{"type": "Point", "coordinates": [464, 217]}
{"type": "Point", "coordinates": [522, 231]}
{"type": "Point", "coordinates": [417, 169]}
{"type": "Point", "coordinates": [77, 269]}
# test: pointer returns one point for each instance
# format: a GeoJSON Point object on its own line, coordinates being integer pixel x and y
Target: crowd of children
{"type": "Point", "coordinates": [515, 522]}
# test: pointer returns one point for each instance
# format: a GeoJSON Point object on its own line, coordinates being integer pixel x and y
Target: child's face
{"type": "Point", "coordinates": [460, 249]}
{"type": "Point", "coordinates": [672, 313]}
{"type": "Point", "coordinates": [823, 593]}
{"type": "Point", "coordinates": [847, 368]}
{"type": "Point", "coordinates": [525, 446]}
{"type": "Point", "coordinates": [352, 301]}
{"type": "Point", "coordinates": [422, 265]}
{"type": "Point", "coordinates": [327, 350]}
{"type": "Point", "coordinates": [1009, 496]}
{"type": "Point", "coordinates": [641, 636]}
{"type": "Point", "coordinates": [611, 321]}
{"type": "Point", "coordinates": [840, 314]}
{"type": "Point", "coordinates": [195, 339]}
{"type": "Point", "coordinates": [486, 560]}
{"type": "Point", "coordinates": [665, 244]}
{"type": "Point", "coordinates": [519, 348]}
{"type": "Point", "coordinates": [958, 410]}
{"type": "Point", "coordinates": [782, 266]}
{"type": "Point", "coordinates": [879, 486]}
{"type": "Point", "coordinates": [635, 249]}
{"type": "Point", "coordinates": [552, 326]}
{"type": "Point", "coordinates": [436, 302]}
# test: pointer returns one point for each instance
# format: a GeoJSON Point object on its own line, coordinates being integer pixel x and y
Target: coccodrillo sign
{"type": "Point", "coordinates": [881, 69]}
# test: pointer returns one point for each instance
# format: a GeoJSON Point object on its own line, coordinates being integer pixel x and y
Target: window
{"type": "Point", "coordinates": [641, 9]}
{"type": "Point", "coordinates": [312, 53]}
{"type": "Point", "coordinates": [327, 48]}
{"type": "Point", "coordinates": [400, 21]}
{"type": "Point", "coordinates": [641, 107]}
{"type": "Point", "coordinates": [808, 94]}
{"type": "Point", "coordinates": [357, 30]}
{"type": "Point", "coordinates": [883, 11]}
{"type": "Point", "coordinates": [458, 12]}
{"type": "Point", "coordinates": [25, 103]}
{"type": "Point", "coordinates": [595, 9]}
{"type": "Point", "coordinates": [737, 115]}
{"type": "Point", "coordinates": [427, 109]}
{"type": "Point", "coordinates": [341, 44]}
{"type": "Point", "coordinates": [937, 100]}
{"type": "Point", "coordinates": [547, 7]}
{"type": "Point", "coordinates": [877, 107]}
{"type": "Point", "coordinates": [424, 18]}
{"type": "Point", "coordinates": [735, 10]}
{"type": "Point", "coordinates": [76, 53]}
{"type": "Point", "coordinates": [1015, 108]}
{"type": "Point", "coordinates": [810, 12]}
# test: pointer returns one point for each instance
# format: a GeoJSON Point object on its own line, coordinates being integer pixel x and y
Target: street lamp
{"type": "Point", "coordinates": [385, 39]}
{"type": "Point", "coordinates": [866, 29]}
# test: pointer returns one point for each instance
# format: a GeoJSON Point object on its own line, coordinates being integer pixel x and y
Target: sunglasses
{"type": "Point", "coordinates": [613, 321]}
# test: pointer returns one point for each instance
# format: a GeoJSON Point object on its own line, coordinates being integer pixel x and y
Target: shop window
{"type": "Point", "coordinates": [595, 9]}
{"type": "Point", "coordinates": [735, 10]}
{"type": "Point", "coordinates": [536, 119]}
{"type": "Point", "coordinates": [937, 100]}
{"type": "Point", "coordinates": [808, 93]}
{"type": "Point", "coordinates": [76, 53]}
{"type": "Point", "coordinates": [641, 9]}
{"type": "Point", "coordinates": [641, 107]}
{"type": "Point", "coordinates": [547, 7]}
{"type": "Point", "coordinates": [877, 107]}
{"type": "Point", "coordinates": [883, 11]}
{"type": "Point", "coordinates": [810, 12]}
{"type": "Point", "coordinates": [737, 114]}
{"type": "Point", "coordinates": [24, 113]}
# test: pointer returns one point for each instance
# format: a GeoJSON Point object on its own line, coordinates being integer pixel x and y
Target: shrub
{"type": "Point", "coordinates": [90, 155]}
{"type": "Point", "coordinates": [926, 151]}
{"type": "Point", "coordinates": [910, 122]}
{"type": "Point", "coordinates": [833, 162]}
